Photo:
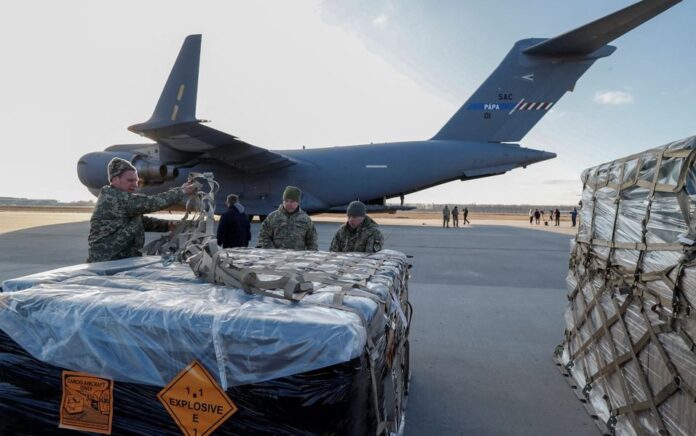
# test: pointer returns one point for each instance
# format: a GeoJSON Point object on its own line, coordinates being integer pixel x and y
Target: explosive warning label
{"type": "Point", "coordinates": [197, 404]}
{"type": "Point", "coordinates": [87, 403]}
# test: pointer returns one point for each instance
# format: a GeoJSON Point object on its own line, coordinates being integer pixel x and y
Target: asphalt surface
{"type": "Point", "coordinates": [488, 313]}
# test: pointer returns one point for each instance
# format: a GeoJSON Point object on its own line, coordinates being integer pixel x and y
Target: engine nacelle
{"type": "Point", "coordinates": [92, 169]}
{"type": "Point", "coordinates": [153, 172]}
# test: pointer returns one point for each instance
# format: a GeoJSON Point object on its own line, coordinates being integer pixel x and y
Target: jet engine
{"type": "Point", "coordinates": [91, 169]}
{"type": "Point", "coordinates": [152, 172]}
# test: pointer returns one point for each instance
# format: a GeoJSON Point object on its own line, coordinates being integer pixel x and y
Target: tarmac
{"type": "Point", "coordinates": [488, 304]}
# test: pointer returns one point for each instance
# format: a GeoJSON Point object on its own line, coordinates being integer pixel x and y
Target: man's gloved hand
{"type": "Point", "coordinates": [190, 188]}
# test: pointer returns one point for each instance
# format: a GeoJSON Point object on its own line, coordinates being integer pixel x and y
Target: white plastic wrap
{"type": "Point", "coordinates": [146, 322]}
{"type": "Point", "coordinates": [630, 324]}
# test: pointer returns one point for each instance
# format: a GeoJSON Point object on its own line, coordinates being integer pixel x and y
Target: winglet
{"type": "Point", "coordinates": [595, 35]}
{"type": "Point", "coordinates": [177, 103]}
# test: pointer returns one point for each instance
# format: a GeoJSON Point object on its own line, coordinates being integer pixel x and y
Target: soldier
{"type": "Point", "coordinates": [445, 216]}
{"type": "Point", "coordinates": [455, 217]}
{"type": "Point", "coordinates": [465, 215]}
{"type": "Point", "coordinates": [288, 227]}
{"type": "Point", "coordinates": [234, 229]}
{"type": "Point", "coordinates": [117, 227]}
{"type": "Point", "coordinates": [359, 233]}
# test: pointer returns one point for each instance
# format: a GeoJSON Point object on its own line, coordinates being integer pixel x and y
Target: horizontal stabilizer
{"type": "Point", "coordinates": [595, 35]}
{"type": "Point", "coordinates": [536, 73]}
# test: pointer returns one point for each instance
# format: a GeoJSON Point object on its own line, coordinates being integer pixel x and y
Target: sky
{"type": "Point", "coordinates": [313, 73]}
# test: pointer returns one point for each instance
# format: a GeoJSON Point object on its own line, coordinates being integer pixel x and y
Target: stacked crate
{"type": "Point", "coordinates": [630, 327]}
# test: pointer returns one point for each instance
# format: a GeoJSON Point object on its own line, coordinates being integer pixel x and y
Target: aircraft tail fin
{"type": "Point", "coordinates": [536, 73]}
{"type": "Point", "coordinates": [177, 103]}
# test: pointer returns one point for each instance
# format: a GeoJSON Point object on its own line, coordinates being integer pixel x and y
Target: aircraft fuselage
{"type": "Point", "coordinates": [370, 172]}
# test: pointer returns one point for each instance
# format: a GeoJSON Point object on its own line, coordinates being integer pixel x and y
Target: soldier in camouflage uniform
{"type": "Point", "coordinates": [117, 227]}
{"type": "Point", "coordinates": [445, 216]}
{"type": "Point", "coordinates": [288, 227]}
{"type": "Point", "coordinates": [360, 233]}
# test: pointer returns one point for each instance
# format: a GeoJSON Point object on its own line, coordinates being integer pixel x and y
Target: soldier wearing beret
{"type": "Point", "coordinates": [117, 227]}
{"type": "Point", "coordinates": [288, 227]}
{"type": "Point", "coordinates": [359, 233]}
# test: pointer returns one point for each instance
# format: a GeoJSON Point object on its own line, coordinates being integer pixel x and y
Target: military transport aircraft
{"type": "Point", "coordinates": [478, 141]}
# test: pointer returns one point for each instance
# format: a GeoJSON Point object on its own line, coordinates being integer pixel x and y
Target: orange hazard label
{"type": "Point", "coordinates": [87, 402]}
{"type": "Point", "coordinates": [196, 402]}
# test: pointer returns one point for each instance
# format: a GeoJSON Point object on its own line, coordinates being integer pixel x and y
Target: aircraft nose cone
{"type": "Point", "coordinates": [87, 170]}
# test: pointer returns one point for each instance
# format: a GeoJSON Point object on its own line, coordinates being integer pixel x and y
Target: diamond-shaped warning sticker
{"type": "Point", "coordinates": [196, 402]}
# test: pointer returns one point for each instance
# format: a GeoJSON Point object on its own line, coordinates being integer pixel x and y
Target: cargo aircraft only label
{"type": "Point", "coordinates": [87, 403]}
{"type": "Point", "coordinates": [197, 404]}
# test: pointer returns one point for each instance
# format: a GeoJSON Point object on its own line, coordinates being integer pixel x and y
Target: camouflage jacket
{"type": "Point", "coordinates": [117, 227]}
{"type": "Point", "coordinates": [291, 231]}
{"type": "Point", "coordinates": [366, 238]}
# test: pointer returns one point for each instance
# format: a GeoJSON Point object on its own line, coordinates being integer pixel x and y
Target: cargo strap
{"type": "Point", "coordinates": [195, 225]}
{"type": "Point", "coordinates": [193, 242]}
{"type": "Point", "coordinates": [605, 290]}
{"type": "Point", "coordinates": [294, 288]}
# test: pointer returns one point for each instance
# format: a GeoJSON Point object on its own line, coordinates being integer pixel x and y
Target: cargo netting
{"type": "Point", "coordinates": [630, 328]}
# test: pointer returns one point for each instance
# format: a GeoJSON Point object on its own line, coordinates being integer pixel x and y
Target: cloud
{"type": "Point", "coordinates": [380, 21]}
{"type": "Point", "coordinates": [613, 97]}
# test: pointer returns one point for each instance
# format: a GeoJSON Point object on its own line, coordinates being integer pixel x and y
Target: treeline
{"type": "Point", "coordinates": [11, 201]}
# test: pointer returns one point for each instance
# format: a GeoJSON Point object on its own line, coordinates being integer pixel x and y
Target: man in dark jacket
{"type": "Point", "coordinates": [234, 229]}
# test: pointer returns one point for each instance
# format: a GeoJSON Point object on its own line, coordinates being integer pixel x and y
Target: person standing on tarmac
{"type": "Point", "coordinates": [288, 227]}
{"type": "Point", "coordinates": [234, 229]}
{"type": "Point", "coordinates": [465, 215]}
{"type": "Point", "coordinates": [455, 217]}
{"type": "Point", "coordinates": [118, 225]}
{"type": "Point", "coordinates": [445, 217]}
{"type": "Point", "coordinates": [574, 216]}
{"type": "Point", "coordinates": [360, 233]}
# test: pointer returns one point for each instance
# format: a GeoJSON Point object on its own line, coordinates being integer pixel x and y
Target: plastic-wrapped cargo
{"type": "Point", "coordinates": [303, 342]}
{"type": "Point", "coordinates": [332, 362]}
{"type": "Point", "coordinates": [630, 328]}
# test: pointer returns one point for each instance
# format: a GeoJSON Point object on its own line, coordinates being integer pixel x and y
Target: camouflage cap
{"type": "Point", "coordinates": [118, 166]}
{"type": "Point", "coordinates": [292, 193]}
{"type": "Point", "coordinates": [356, 208]}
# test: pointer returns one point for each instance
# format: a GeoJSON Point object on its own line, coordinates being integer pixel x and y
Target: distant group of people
{"type": "Point", "coordinates": [118, 224]}
{"type": "Point", "coordinates": [537, 216]}
{"type": "Point", "coordinates": [446, 213]}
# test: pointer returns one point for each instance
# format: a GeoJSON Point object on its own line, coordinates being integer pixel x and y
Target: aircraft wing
{"type": "Point", "coordinates": [174, 122]}
{"type": "Point", "coordinates": [194, 137]}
